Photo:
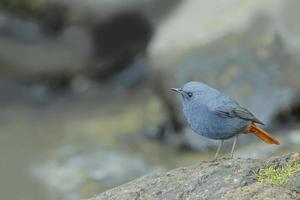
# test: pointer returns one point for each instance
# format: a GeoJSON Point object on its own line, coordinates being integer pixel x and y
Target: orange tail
{"type": "Point", "coordinates": [263, 135]}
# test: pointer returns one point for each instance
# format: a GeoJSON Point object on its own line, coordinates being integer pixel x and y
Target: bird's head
{"type": "Point", "coordinates": [195, 92]}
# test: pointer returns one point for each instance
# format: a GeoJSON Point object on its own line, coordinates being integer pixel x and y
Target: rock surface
{"type": "Point", "coordinates": [217, 179]}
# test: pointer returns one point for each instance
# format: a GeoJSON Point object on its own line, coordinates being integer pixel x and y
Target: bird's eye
{"type": "Point", "coordinates": [190, 94]}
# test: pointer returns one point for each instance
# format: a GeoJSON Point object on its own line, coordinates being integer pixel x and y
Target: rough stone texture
{"type": "Point", "coordinates": [293, 183]}
{"type": "Point", "coordinates": [217, 179]}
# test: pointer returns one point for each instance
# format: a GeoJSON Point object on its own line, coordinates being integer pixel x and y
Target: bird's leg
{"type": "Point", "coordinates": [233, 145]}
{"type": "Point", "coordinates": [219, 148]}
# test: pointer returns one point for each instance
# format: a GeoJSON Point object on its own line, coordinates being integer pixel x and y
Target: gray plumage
{"type": "Point", "coordinates": [213, 114]}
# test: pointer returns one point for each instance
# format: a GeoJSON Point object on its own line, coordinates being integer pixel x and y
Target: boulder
{"type": "Point", "coordinates": [217, 179]}
{"type": "Point", "coordinates": [242, 48]}
{"type": "Point", "coordinates": [59, 40]}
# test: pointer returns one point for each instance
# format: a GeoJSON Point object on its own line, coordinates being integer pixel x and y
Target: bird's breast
{"type": "Point", "coordinates": [197, 118]}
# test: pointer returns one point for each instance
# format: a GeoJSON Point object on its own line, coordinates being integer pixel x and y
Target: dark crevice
{"type": "Point", "coordinates": [290, 114]}
{"type": "Point", "coordinates": [117, 42]}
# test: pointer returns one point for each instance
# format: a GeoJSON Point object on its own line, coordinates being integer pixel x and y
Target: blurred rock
{"type": "Point", "coordinates": [197, 22]}
{"type": "Point", "coordinates": [22, 29]}
{"type": "Point", "coordinates": [288, 24]}
{"type": "Point", "coordinates": [117, 42]}
{"type": "Point", "coordinates": [54, 18]}
{"type": "Point", "coordinates": [89, 10]}
{"type": "Point", "coordinates": [72, 172]}
{"type": "Point", "coordinates": [21, 58]}
{"type": "Point", "coordinates": [234, 46]}
{"type": "Point", "coordinates": [12, 92]}
{"type": "Point", "coordinates": [294, 137]}
{"type": "Point", "coordinates": [136, 72]}
{"type": "Point", "coordinates": [218, 179]}
{"type": "Point", "coordinates": [59, 40]}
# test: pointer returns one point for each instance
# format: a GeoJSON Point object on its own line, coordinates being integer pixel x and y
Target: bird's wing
{"type": "Point", "coordinates": [236, 111]}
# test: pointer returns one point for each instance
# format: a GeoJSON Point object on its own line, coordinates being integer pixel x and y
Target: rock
{"type": "Point", "coordinates": [195, 23]}
{"type": "Point", "coordinates": [59, 40]}
{"type": "Point", "coordinates": [90, 10]}
{"type": "Point", "coordinates": [217, 179]}
{"type": "Point", "coordinates": [117, 47]}
{"type": "Point", "coordinates": [27, 52]}
{"type": "Point", "coordinates": [245, 56]}
{"type": "Point", "coordinates": [72, 172]}
{"type": "Point", "coordinates": [293, 183]}
{"type": "Point", "coordinates": [99, 51]}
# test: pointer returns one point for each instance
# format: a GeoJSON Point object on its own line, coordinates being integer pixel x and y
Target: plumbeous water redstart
{"type": "Point", "coordinates": [215, 115]}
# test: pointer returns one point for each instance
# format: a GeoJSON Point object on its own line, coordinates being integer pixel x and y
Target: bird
{"type": "Point", "coordinates": [217, 116]}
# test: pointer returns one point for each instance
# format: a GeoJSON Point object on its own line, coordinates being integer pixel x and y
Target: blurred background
{"type": "Point", "coordinates": [85, 103]}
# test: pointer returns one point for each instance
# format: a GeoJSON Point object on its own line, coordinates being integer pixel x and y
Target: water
{"type": "Point", "coordinates": [71, 146]}
{"type": "Point", "coordinates": [22, 142]}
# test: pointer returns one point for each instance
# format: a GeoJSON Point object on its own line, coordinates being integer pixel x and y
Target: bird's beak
{"type": "Point", "coordinates": [178, 90]}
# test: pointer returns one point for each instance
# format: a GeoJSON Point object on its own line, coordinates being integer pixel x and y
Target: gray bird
{"type": "Point", "coordinates": [215, 115]}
